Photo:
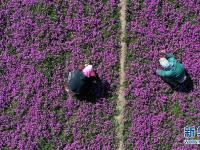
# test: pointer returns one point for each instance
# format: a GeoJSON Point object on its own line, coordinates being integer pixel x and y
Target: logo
{"type": "Point", "coordinates": [190, 133]}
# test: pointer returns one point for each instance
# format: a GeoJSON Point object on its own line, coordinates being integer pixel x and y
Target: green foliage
{"type": "Point", "coordinates": [51, 12]}
{"type": "Point", "coordinates": [191, 16]}
{"type": "Point", "coordinates": [127, 124]}
{"type": "Point", "coordinates": [59, 112]}
{"type": "Point", "coordinates": [116, 13]}
{"type": "Point", "coordinates": [10, 109]}
{"type": "Point", "coordinates": [104, 1]}
{"type": "Point", "coordinates": [24, 112]}
{"type": "Point", "coordinates": [48, 65]}
{"type": "Point", "coordinates": [132, 40]}
{"type": "Point", "coordinates": [63, 136]}
{"type": "Point", "coordinates": [11, 49]}
{"type": "Point", "coordinates": [87, 10]}
{"type": "Point", "coordinates": [69, 136]}
{"type": "Point", "coordinates": [165, 147]}
{"type": "Point", "coordinates": [1, 71]}
{"type": "Point", "coordinates": [86, 48]}
{"type": "Point", "coordinates": [5, 148]}
{"type": "Point", "coordinates": [38, 8]}
{"type": "Point", "coordinates": [89, 132]}
{"type": "Point", "coordinates": [116, 68]}
{"type": "Point", "coordinates": [45, 145]}
{"type": "Point", "coordinates": [130, 57]}
{"type": "Point", "coordinates": [116, 27]}
{"type": "Point", "coordinates": [130, 96]}
{"type": "Point", "coordinates": [144, 61]}
{"type": "Point", "coordinates": [68, 36]}
{"type": "Point", "coordinates": [141, 4]}
{"type": "Point", "coordinates": [176, 110]}
{"type": "Point", "coordinates": [105, 33]}
{"type": "Point", "coordinates": [159, 9]}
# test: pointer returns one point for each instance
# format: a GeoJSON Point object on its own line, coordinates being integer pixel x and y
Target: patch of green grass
{"type": "Point", "coordinates": [104, 1]}
{"type": "Point", "coordinates": [24, 112]}
{"type": "Point", "coordinates": [116, 68]}
{"type": "Point", "coordinates": [165, 147]}
{"type": "Point", "coordinates": [1, 70]}
{"type": "Point", "coordinates": [59, 112]}
{"type": "Point", "coordinates": [130, 57]}
{"type": "Point", "coordinates": [132, 40]}
{"type": "Point", "coordinates": [51, 12]}
{"type": "Point", "coordinates": [113, 98]}
{"type": "Point", "coordinates": [116, 13]}
{"type": "Point", "coordinates": [172, 1]}
{"type": "Point", "coordinates": [130, 96]}
{"type": "Point", "coordinates": [86, 49]}
{"type": "Point", "coordinates": [87, 10]}
{"type": "Point", "coordinates": [48, 65]}
{"type": "Point", "coordinates": [190, 121]}
{"type": "Point", "coordinates": [141, 4]}
{"type": "Point", "coordinates": [45, 145]}
{"type": "Point", "coordinates": [42, 35]}
{"type": "Point", "coordinates": [159, 9]}
{"type": "Point", "coordinates": [127, 124]}
{"type": "Point", "coordinates": [105, 34]}
{"type": "Point", "coordinates": [176, 110]}
{"type": "Point", "coordinates": [10, 109]}
{"type": "Point", "coordinates": [191, 16]}
{"type": "Point", "coordinates": [62, 136]}
{"type": "Point", "coordinates": [116, 27]}
{"type": "Point", "coordinates": [69, 136]}
{"type": "Point", "coordinates": [89, 132]}
{"type": "Point", "coordinates": [125, 84]}
{"type": "Point", "coordinates": [11, 49]}
{"type": "Point", "coordinates": [5, 148]}
{"type": "Point", "coordinates": [145, 61]}
{"type": "Point", "coordinates": [38, 8]}
{"type": "Point", "coordinates": [24, 135]}
{"type": "Point", "coordinates": [68, 36]}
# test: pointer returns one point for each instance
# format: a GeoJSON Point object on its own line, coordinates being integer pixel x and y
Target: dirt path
{"type": "Point", "coordinates": [121, 97]}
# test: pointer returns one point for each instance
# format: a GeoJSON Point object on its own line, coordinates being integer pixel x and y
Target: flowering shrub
{"type": "Point", "coordinates": [156, 115]}
{"type": "Point", "coordinates": [38, 37]}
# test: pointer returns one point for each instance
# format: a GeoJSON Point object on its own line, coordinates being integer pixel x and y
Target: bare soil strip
{"type": "Point", "coordinates": [121, 102]}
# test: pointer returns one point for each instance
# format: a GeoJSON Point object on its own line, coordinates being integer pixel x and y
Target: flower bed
{"type": "Point", "coordinates": [156, 115]}
{"type": "Point", "coordinates": [38, 38]}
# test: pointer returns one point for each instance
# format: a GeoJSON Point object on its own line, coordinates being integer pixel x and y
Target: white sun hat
{"type": "Point", "coordinates": [164, 62]}
{"type": "Point", "coordinates": [87, 70]}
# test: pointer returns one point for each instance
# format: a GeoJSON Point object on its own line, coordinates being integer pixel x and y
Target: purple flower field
{"type": "Point", "coordinates": [40, 40]}
{"type": "Point", "coordinates": [157, 115]}
{"type": "Point", "coordinates": [37, 38]}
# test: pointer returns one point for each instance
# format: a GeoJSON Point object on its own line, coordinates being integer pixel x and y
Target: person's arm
{"type": "Point", "coordinates": [163, 73]}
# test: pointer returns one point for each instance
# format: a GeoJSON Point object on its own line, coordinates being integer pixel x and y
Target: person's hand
{"type": "Point", "coordinates": [163, 51]}
{"type": "Point", "coordinates": [66, 88]}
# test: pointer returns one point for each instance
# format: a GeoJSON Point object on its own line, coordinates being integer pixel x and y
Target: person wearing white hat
{"type": "Point", "coordinates": [79, 81]}
{"type": "Point", "coordinates": [173, 72]}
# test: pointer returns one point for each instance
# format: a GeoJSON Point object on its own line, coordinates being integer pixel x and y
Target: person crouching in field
{"type": "Point", "coordinates": [173, 73]}
{"type": "Point", "coordinates": [80, 82]}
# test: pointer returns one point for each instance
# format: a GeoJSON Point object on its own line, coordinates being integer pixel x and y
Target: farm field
{"type": "Point", "coordinates": [42, 40]}
{"type": "Point", "coordinates": [155, 114]}
{"type": "Point", "coordinates": [38, 37]}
